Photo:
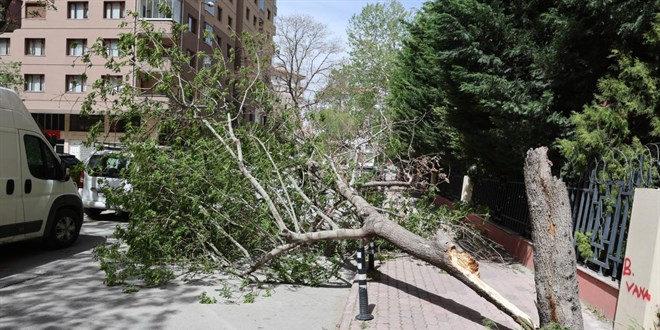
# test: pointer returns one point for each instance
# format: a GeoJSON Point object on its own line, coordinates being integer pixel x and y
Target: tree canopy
{"type": "Point", "coordinates": [486, 80]}
{"type": "Point", "coordinates": [375, 36]}
{"type": "Point", "coordinates": [625, 112]}
{"type": "Point", "coordinates": [353, 101]}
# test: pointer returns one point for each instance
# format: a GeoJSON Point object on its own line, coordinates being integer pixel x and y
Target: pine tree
{"type": "Point", "coordinates": [487, 80]}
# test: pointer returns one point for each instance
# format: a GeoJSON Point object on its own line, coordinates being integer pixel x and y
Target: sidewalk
{"type": "Point", "coordinates": [410, 294]}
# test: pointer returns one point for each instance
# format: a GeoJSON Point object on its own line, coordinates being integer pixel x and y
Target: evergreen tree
{"type": "Point", "coordinates": [486, 80]}
{"type": "Point", "coordinates": [625, 113]}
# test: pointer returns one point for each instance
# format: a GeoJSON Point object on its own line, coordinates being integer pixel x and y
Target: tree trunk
{"type": "Point", "coordinates": [441, 252]}
{"type": "Point", "coordinates": [444, 254]}
{"type": "Point", "coordinates": [555, 273]}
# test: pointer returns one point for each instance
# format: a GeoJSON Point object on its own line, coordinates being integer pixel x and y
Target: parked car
{"type": "Point", "coordinates": [102, 171]}
{"type": "Point", "coordinates": [37, 196]}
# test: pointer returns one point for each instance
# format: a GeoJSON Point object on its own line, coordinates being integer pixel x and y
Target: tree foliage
{"type": "Point", "coordinates": [486, 80]}
{"type": "Point", "coordinates": [625, 113]}
{"type": "Point", "coordinates": [352, 103]}
{"type": "Point", "coordinates": [10, 75]}
{"type": "Point", "coordinates": [375, 36]}
{"type": "Point", "coordinates": [191, 207]}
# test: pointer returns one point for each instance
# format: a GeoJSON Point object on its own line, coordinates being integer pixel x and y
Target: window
{"type": "Point", "coordinates": [206, 61]}
{"type": "Point", "coordinates": [268, 14]}
{"type": "Point", "coordinates": [247, 13]}
{"type": "Point", "coordinates": [149, 9]}
{"type": "Point", "coordinates": [78, 9]}
{"type": "Point", "coordinates": [192, 24]}
{"type": "Point", "coordinates": [209, 8]}
{"type": "Point", "coordinates": [230, 22]}
{"type": "Point", "coordinates": [76, 83]}
{"type": "Point", "coordinates": [80, 123]}
{"type": "Point", "coordinates": [41, 161]}
{"type": "Point", "coordinates": [49, 121]}
{"type": "Point", "coordinates": [120, 125]}
{"type": "Point", "coordinates": [113, 9]}
{"type": "Point", "coordinates": [254, 20]}
{"type": "Point", "coordinates": [208, 34]}
{"type": "Point", "coordinates": [4, 46]}
{"type": "Point", "coordinates": [219, 14]}
{"type": "Point", "coordinates": [34, 83]}
{"type": "Point", "coordinates": [113, 83]}
{"type": "Point", "coordinates": [112, 47]}
{"type": "Point", "coordinates": [35, 10]}
{"type": "Point", "coordinates": [76, 47]}
{"type": "Point", "coordinates": [218, 40]}
{"type": "Point", "coordinates": [229, 54]}
{"type": "Point", "coordinates": [35, 47]}
{"type": "Point", "coordinates": [192, 57]}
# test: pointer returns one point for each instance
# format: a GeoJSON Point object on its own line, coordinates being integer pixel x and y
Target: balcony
{"type": "Point", "coordinates": [149, 10]}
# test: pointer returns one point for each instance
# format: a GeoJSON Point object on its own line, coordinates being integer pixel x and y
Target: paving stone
{"type": "Point", "coordinates": [414, 295]}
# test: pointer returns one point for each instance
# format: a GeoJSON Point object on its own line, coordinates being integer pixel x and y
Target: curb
{"type": "Point", "coordinates": [349, 309]}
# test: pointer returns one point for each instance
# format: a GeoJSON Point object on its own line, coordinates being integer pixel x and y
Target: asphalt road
{"type": "Point", "coordinates": [63, 289]}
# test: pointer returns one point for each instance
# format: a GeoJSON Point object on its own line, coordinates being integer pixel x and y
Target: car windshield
{"type": "Point", "coordinates": [108, 165]}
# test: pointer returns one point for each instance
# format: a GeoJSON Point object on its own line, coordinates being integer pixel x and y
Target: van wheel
{"type": "Point", "coordinates": [65, 230]}
{"type": "Point", "coordinates": [92, 213]}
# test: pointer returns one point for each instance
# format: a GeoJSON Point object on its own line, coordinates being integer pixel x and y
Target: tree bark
{"type": "Point", "coordinates": [555, 272]}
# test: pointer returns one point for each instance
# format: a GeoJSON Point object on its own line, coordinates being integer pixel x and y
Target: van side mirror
{"type": "Point", "coordinates": [65, 172]}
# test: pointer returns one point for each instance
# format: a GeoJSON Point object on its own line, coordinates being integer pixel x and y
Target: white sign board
{"type": "Point", "coordinates": [639, 292]}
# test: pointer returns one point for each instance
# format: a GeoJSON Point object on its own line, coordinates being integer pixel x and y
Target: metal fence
{"type": "Point", "coordinates": [452, 188]}
{"type": "Point", "coordinates": [506, 203]}
{"type": "Point", "coordinates": [600, 207]}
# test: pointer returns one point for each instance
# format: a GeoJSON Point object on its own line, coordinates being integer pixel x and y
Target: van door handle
{"type": "Point", "coordinates": [10, 187]}
{"type": "Point", "coordinates": [28, 186]}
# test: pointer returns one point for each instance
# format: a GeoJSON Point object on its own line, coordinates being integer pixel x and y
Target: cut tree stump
{"type": "Point", "coordinates": [555, 273]}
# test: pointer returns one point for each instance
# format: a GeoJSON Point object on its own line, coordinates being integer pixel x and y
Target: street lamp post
{"type": "Point", "coordinates": [199, 28]}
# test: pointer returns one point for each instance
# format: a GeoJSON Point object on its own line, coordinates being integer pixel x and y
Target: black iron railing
{"type": "Point", "coordinates": [506, 203]}
{"type": "Point", "coordinates": [601, 207]}
{"type": "Point", "coordinates": [451, 189]}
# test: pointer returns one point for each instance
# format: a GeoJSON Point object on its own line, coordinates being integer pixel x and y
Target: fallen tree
{"type": "Point", "coordinates": [225, 193]}
{"type": "Point", "coordinates": [441, 251]}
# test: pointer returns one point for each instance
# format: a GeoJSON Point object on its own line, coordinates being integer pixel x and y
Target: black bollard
{"type": "Point", "coordinates": [362, 285]}
{"type": "Point", "coordinates": [372, 251]}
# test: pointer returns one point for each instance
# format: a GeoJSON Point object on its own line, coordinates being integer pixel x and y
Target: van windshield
{"type": "Point", "coordinates": [108, 165]}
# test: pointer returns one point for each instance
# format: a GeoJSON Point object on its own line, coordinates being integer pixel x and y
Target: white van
{"type": "Point", "coordinates": [37, 197]}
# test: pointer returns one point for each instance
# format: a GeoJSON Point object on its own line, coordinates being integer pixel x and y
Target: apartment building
{"type": "Point", "coordinates": [50, 44]}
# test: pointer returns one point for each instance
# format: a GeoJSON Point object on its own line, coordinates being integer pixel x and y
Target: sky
{"type": "Point", "coordinates": [334, 13]}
